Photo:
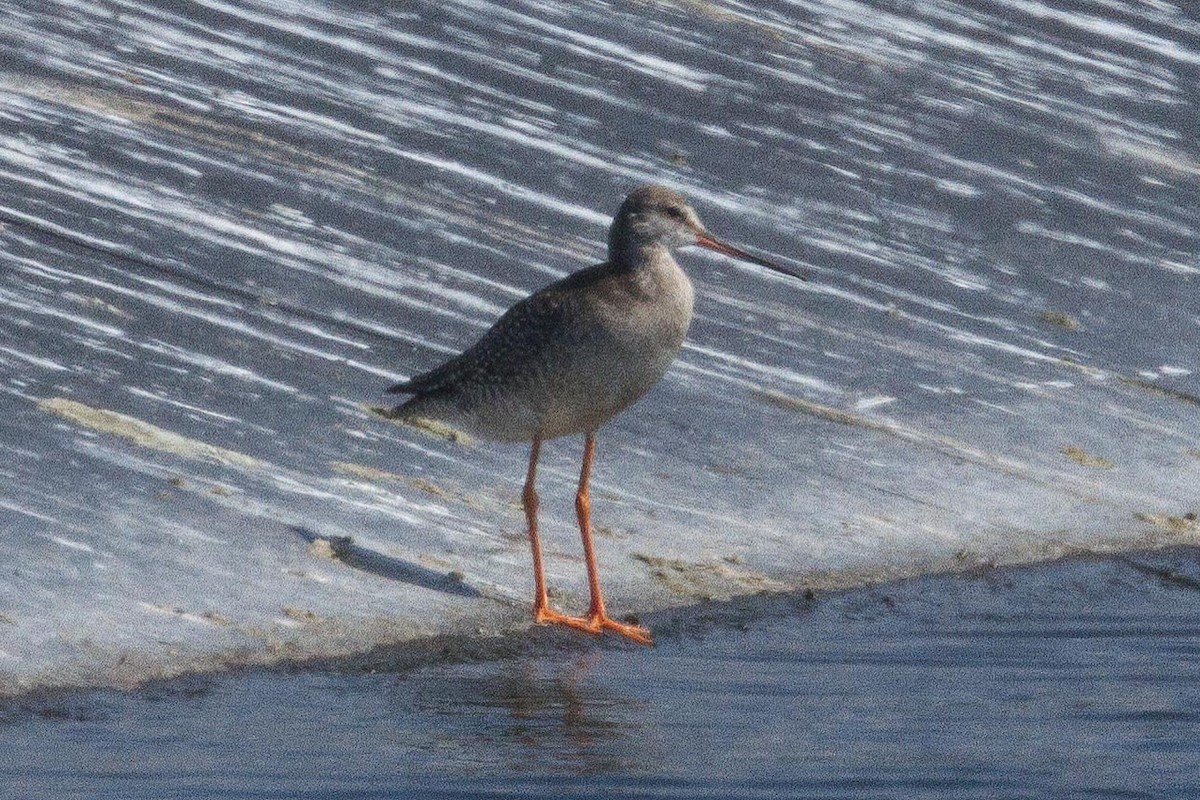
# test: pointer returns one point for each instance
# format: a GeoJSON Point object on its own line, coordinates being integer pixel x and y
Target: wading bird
{"type": "Point", "coordinates": [568, 358]}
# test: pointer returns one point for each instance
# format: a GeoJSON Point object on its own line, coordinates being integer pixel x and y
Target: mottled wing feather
{"type": "Point", "coordinates": [515, 341]}
{"type": "Point", "coordinates": [426, 381]}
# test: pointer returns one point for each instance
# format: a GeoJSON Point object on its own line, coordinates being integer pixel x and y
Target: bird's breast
{"type": "Point", "coordinates": [609, 342]}
{"type": "Point", "coordinates": [633, 334]}
{"type": "Point", "coordinates": [659, 315]}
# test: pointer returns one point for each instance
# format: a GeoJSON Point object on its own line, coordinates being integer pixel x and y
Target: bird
{"type": "Point", "coordinates": [569, 357]}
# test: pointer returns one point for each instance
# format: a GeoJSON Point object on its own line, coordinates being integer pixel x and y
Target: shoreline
{"type": "Point", "coordinates": [499, 642]}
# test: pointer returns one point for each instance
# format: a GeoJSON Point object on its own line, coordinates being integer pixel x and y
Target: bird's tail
{"type": "Point", "coordinates": [402, 410]}
{"type": "Point", "coordinates": [403, 387]}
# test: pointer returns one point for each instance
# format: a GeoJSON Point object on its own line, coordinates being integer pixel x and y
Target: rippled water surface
{"type": "Point", "coordinates": [1073, 680]}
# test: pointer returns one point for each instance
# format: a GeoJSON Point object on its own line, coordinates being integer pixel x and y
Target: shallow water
{"type": "Point", "coordinates": [1072, 680]}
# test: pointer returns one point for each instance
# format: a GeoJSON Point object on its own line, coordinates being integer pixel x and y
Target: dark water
{"type": "Point", "coordinates": [1078, 679]}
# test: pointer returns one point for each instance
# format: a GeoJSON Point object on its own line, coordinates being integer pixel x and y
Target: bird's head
{"type": "Point", "coordinates": [655, 215]}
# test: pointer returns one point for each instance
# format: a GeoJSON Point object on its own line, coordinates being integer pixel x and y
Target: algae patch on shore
{"type": "Point", "coordinates": [707, 580]}
{"type": "Point", "coordinates": [142, 433]}
{"type": "Point", "coordinates": [429, 427]}
{"type": "Point", "coordinates": [1084, 458]}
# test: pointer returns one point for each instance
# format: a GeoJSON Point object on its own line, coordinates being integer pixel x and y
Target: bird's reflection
{"type": "Point", "coordinates": [525, 715]}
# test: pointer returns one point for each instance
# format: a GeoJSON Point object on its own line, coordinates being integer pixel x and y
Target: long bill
{"type": "Point", "coordinates": [705, 239]}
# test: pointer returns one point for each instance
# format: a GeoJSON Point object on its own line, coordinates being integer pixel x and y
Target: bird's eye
{"type": "Point", "coordinates": [675, 212]}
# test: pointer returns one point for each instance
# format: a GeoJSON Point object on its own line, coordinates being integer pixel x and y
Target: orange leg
{"type": "Point", "coordinates": [541, 601]}
{"type": "Point", "coordinates": [583, 509]}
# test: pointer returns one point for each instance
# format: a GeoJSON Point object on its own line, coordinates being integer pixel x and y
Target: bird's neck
{"type": "Point", "coordinates": [637, 256]}
{"type": "Point", "coordinates": [627, 247]}
{"type": "Point", "coordinates": [652, 273]}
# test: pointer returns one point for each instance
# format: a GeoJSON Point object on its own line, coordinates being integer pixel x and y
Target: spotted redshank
{"type": "Point", "coordinates": [567, 358]}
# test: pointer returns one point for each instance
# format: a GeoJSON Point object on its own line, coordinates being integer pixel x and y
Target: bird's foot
{"type": "Point", "coordinates": [595, 623]}
{"type": "Point", "coordinates": [548, 616]}
{"type": "Point", "coordinates": [636, 632]}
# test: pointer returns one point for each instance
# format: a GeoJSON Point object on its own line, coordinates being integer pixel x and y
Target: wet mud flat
{"type": "Point", "coordinates": [1074, 679]}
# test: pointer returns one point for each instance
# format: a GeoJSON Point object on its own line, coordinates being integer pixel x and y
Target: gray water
{"type": "Point", "coordinates": [1079, 679]}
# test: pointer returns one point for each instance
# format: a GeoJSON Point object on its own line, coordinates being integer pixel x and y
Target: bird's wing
{"type": "Point", "coordinates": [514, 341]}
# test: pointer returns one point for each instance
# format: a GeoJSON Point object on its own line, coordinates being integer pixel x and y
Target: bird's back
{"type": "Point", "coordinates": [565, 359]}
